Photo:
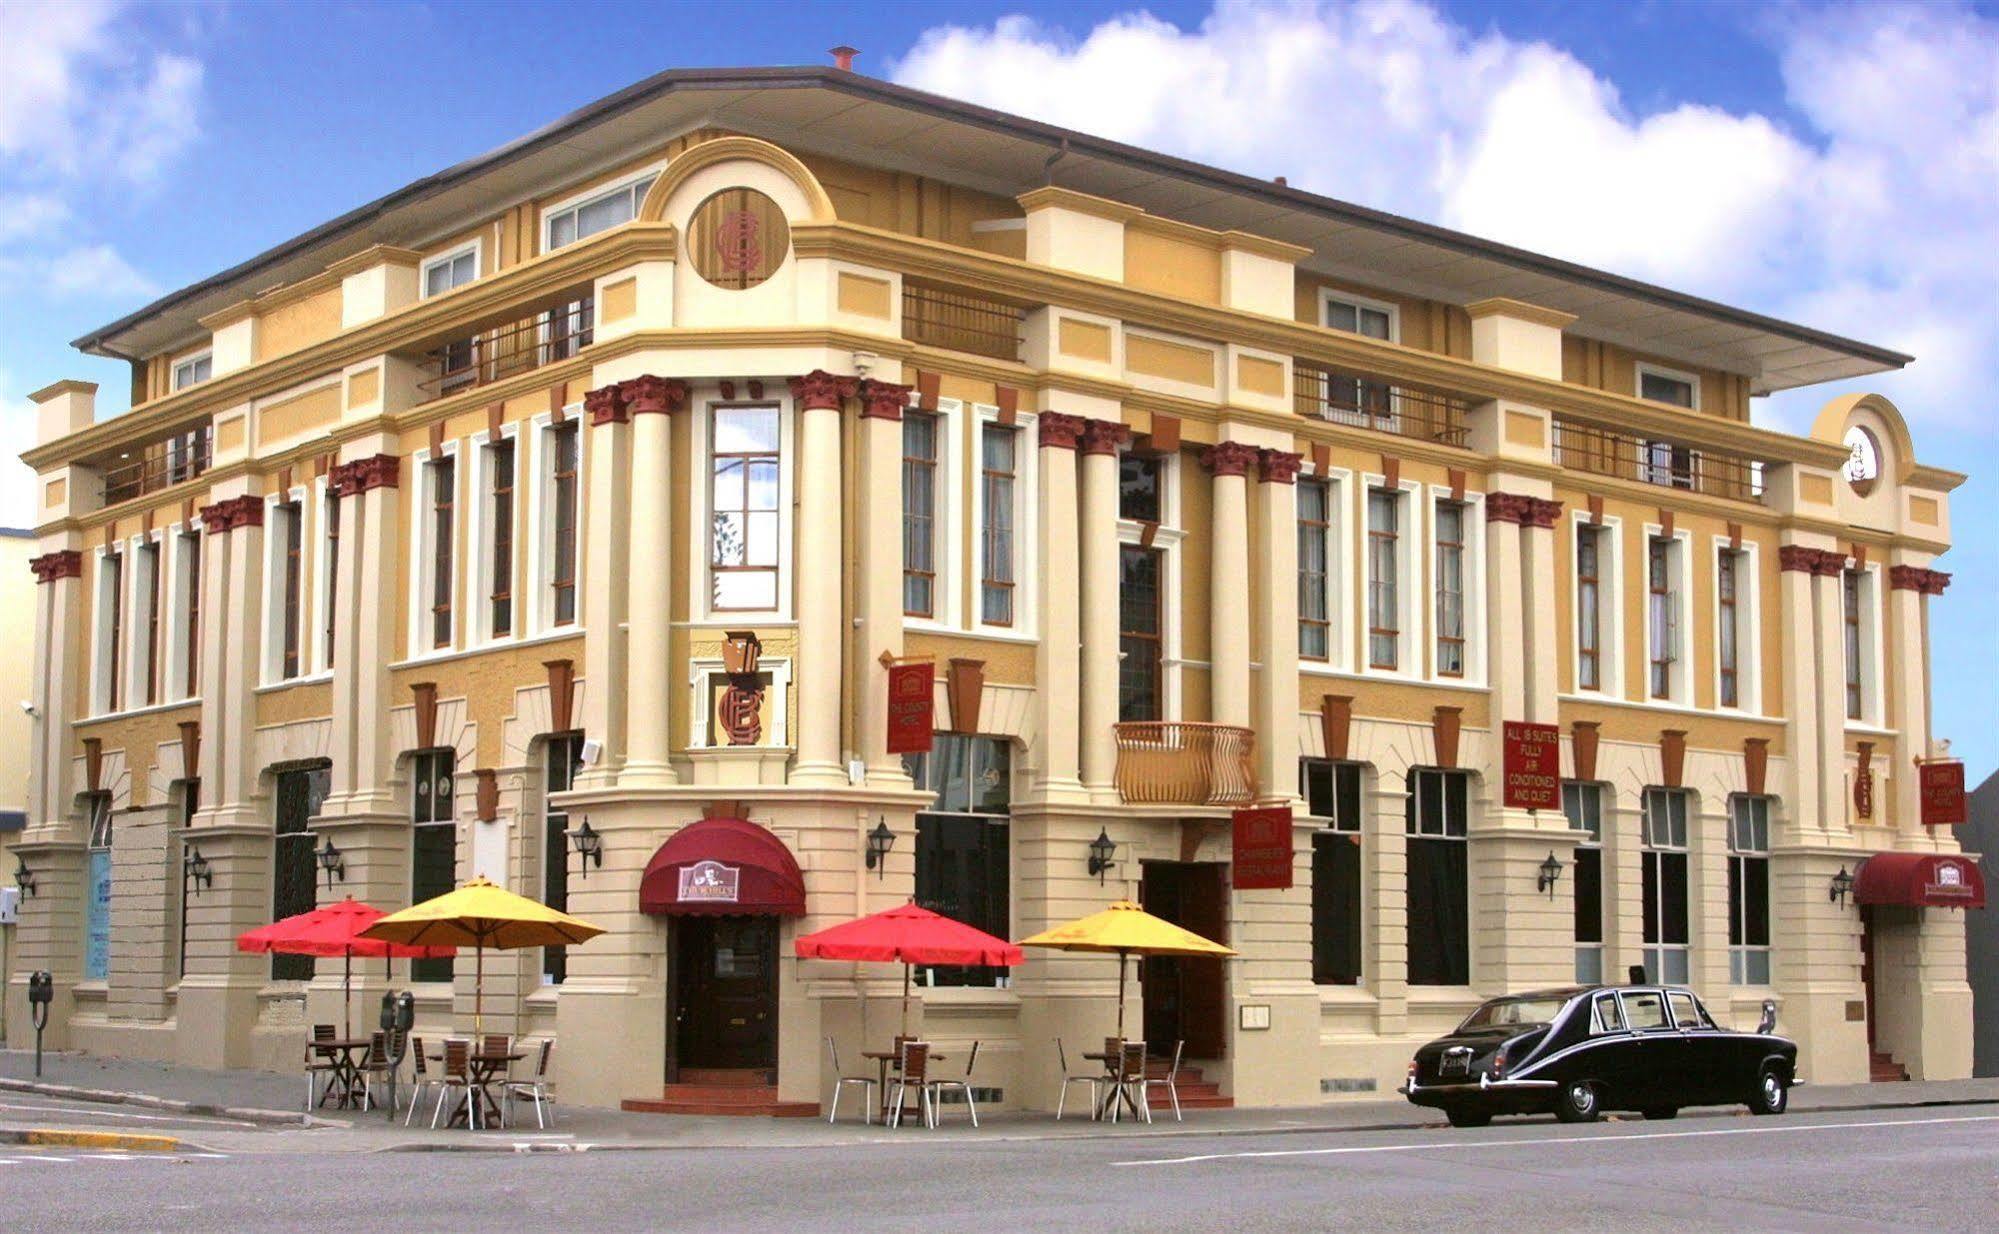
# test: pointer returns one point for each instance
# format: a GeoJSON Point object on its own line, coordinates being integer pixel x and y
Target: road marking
{"type": "Point", "coordinates": [1361, 1150]}
{"type": "Point", "coordinates": [144, 1118]}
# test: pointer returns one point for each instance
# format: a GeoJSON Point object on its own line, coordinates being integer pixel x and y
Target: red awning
{"type": "Point", "coordinates": [722, 866]}
{"type": "Point", "coordinates": [1930, 879]}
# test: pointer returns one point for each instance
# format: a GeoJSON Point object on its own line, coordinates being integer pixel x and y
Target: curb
{"type": "Point", "coordinates": [107, 1096]}
{"type": "Point", "coordinates": [118, 1140]}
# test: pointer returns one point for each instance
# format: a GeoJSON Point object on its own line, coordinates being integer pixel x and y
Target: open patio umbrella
{"type": "Point", "coordinates": [910, 935]}
{"type": "Point", "coordinates": [334, 930]}
{"type": "Point", "coordinates": [1127, 930]}
{"type": "Point", "coordinates": [480, 915]}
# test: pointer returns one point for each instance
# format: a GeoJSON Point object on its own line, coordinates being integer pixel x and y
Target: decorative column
{"type": "Point", "coordinates": [232, 647]}
{"type": "Point", "coordinates": [1098, 605]}
{"type": "Point", "coordinates": [816, 577]}
{"type": "Point", "coordinates": [879, 598]}
{"type": "Point", "coordinates": [1805, 649]}
{"type": "Point", "coordinates": [1056, 660]}
{"type": "Point", "coordinates": [606, 587]}
{"type": "Point", "coordinates": [1541, 675]}
{"type": "Point", "coordinates": [650, 403]}
{"type": "Point", "coordinates": [1277, 624]}
{"type": "Point", "coordinates": [58, 665]}
{"type": "Point", "coordinates": [364, 631]}
{"type": "Point", "coordinates": [1521, 639]}
{"type": "Point", "coordinates": [1228, 583]}
{"type": "Point", "coordinates": [1909, 591]}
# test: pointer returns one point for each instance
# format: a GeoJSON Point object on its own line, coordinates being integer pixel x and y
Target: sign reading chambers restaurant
{"type": "Point", "coordinates": [709, 882]}
{"type": "Point", "coordinates": [1942, 786]}
{"type": "Point", "coordinates": [910, 694]}
{"type": "Point", "coordinates": [1260, 855]}
{"type": "Point", "coordinates": [1532, 767]}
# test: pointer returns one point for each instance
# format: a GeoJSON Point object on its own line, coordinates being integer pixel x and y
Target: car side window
{"type": "Point", "coordinates": [1685, 1014]}
{"type": "Point", "coordinates": [1608, 1019]}
{"type": "Point", "coordinates": [1644, 1010]}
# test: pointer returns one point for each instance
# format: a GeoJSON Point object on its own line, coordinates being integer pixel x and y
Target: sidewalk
{"type": "Point", "coordinates": [274, 1102]}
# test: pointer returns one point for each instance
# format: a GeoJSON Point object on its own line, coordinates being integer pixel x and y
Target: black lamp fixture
{"type": "Point", "coordinates": [1841, 884]}
{"type": "Point", "coordinates": [589, 847]}
{"type": "Point", "coordinates": [194, 867]}
{"type": "Point", "coordinates": [24, 878]}
{"type": "Point", "coordinates": [333, 861]}
{"type": "Point", "coordinates": [1551, 872]}
{"type": "Point", "coordinates": [1102, 849]}
{"type": "Point", "coordinates": [880, 840]}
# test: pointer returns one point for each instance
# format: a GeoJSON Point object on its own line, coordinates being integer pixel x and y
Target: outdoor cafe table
{"type": "Point", "coordinates": [481, 1068]}
{"type": "Point", "coordinates": [884, 1059]}
{"type": "Point", "coordinates": [1118, 1092]}
{"type": "Point", "coordinates": [345, 1053]}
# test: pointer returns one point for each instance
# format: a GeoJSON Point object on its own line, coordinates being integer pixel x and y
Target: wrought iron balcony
{"type": "Point", "coordinates": [148, 468]}
{"type": "Point", "coordinates": [515, 347]}
{"type": "Point", "coordinates": [961, 320]}
{"type": "Point", "coordinates": [1368, 402]}
{"type": "Point", "coordinates": [1179, 762]}
{"type": "Point", "coordinates": [1583, 447]}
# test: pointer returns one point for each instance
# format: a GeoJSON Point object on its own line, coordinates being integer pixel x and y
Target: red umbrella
{"type": "Point", "coordinates": [334, 930]}
{"type": "Point", "coordinates": [909, 935]}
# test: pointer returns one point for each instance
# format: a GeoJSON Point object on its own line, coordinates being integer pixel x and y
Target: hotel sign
{"type": "Point", "coordinates": [1532, 767]}
{"type": "Point", "coordinates": [1260, 855]}
{"type": "Point", "coordinates": [1942, 788]}
{"type": "Point", "coordinates": [709, 882]}
{"type": "Point", "coordinates": [911, 691]}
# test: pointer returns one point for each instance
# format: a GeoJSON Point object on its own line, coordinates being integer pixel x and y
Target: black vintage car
{"type": "Point", "coordinates": [1579, 1051]}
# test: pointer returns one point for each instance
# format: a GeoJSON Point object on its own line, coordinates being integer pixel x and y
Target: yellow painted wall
{"type": "Point", "coordinates": [298, 323]}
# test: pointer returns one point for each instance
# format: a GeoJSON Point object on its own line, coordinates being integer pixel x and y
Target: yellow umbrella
{"type": "Point", "coordinates": [480, 915]}
{"type": "Point", "coordinates": [1127, 930]}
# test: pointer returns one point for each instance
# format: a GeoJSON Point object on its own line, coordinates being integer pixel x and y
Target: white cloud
{"type": "Point", "coordinates": [97, 270]}
{"type": "Point", "coordinates": [17, 482]}
{"type": "Point", "coordinates": [1877, 216]}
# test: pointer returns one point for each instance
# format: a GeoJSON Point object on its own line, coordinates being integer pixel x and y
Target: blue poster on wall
{"type": "Point", "coordinates": [97, 918]}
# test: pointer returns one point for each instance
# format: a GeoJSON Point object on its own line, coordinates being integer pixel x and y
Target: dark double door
{"type": "Point", "coordinates": [723, 1012]}
{"type": "Point", "coordinates": [1186, 997]}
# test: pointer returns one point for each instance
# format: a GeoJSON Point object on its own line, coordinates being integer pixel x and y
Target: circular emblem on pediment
{"type": "Point", "coordinates": [737, 239]}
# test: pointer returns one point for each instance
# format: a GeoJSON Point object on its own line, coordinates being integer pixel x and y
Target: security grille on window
{"type": "Point", "coordinates": [1141, 633]}
{"type": "Point", "coordinates": [1664, 861]}
{"type": "Point", "coordinates": [919, 514]}
{"type": "Point", "coordinates": [998, 470]}
{"type": "Point", "coordinates": [744, 492]}
{"type": "Point", "coordinates": [1749, 890]}
{"type": "Point", "coordinates": [564, 758]}
{"type": "Point", "coordinates": [1439, 902]}
{"type": "Point", "coordinates": [1332, 792]}
{"type": "Point", "coordinates": [301, 791]}
{"type": "Point", "coordinates": [1450, 564]}
{"type": "Point", "coordinates": [1583, 804]}
{"type": "Point", "coordinates": [962, 849]}
{"type": "Point", "coordinates": [563, 443]}
{"type": "Point", "coordinates": [1315, 640]}
{"type": "Point", "coordinates": [1589, 607]}
{"type": "Point", "coordinates": [1384, 612]}
{"type": "Point", "coordinates": [433, 842]}
{"type": "Point", "coordinates": [97, 901]}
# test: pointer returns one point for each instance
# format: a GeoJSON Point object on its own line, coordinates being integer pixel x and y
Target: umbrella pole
{"type": "Point", "coordinates": [905, 998]}
{"type": "Point", "coordinates": [346, 995]}
{"type": "Point", "coordinates": [1120, 992]}
{"type": "Point", "coordinates": [478, 987]}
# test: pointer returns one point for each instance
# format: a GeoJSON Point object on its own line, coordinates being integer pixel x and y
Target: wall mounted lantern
{"type": "Point", "coordinates": [1551, 872]}
{"type": "Point", "coordinates": [1102, 849]}
{"type": "Point", "coordinates": [1841, 884]}
{"type": "Point", "coordinates": [880, 840]}
{"type": "Point", "coordinates": [24, 878]}
{"type": "Point", "coordinates": [194, 867]}
{"type": "Point", "coordinates": [333, 861]}
{"type": "Point", "coordinates": [589, 847]}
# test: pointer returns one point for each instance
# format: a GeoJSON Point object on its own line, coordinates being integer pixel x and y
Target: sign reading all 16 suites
{"type": "Point", "coordinates": [1532, 767]}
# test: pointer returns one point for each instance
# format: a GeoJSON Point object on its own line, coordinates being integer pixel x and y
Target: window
{"type": "Point", "coordinates": [1349, 400]}
{"type": "Point", "coordinates": [1687, 1013]}
{"type": "Point", "coordinates": [1728, 648]}
{"type": "Point", "coordinates": [564, 443]}
{"type": "Point", "coordinates": [1141, 487]}
{"type": "Point", "coordinates": [998, 469]}
{"type": "Point", "coordinates": [193, 371]}
{"type": "Point", "coordinates": [1857, 606]}
{"type": "Point", "coordinates": [919, 514]}
{"type": "Point", "coordinates": [1662, 616]}
{"type": "Point", "coordinates": [1384, 616]}
{"type": "Point", "coordinates": [330, 586]}
{"type": "Point", "coordinates": [1332, 792]}
{"type": "Point", "coordinates": [1589, 607]}
{"type": "Point", "coordinates": [500, 518]}
{"type": "Point", "coordinates": [962, 848]}
{"type": "Point", "coordinates": [1749, 890]}
{"type": "Point", "coordinates": [1608, 1018]}
{"type": "Point", "coordinates": [1583, 804]}
{"type": "Point", "coordinates": [433, 842]}
{"type": "Point", "coordinates": [1660, 386]}
{"type": "Point", "coordinates": [110, 630]}
{"type": "Point", "coordinates": [1663, 462]}
{"type": "Point", "coordinates": [572, 221]}
{"type": "Point", "coordinates": [1141, 633]}
{"type": "Point", "coordinates": [442, 477]}
{"type": "Point", "coordinates": [97, 904]}
{"type": "Point", "coordinates": [189, 800]}
{"type": "Point", "coordinates": [1315, 539]}
{"type": "Point", "coordinates": [442, 274]}
{"type": "Point", "coordinates": [1439, 900]}
{"type": "Point", "coordinates": [301, 791]}
{"type": "Point", "coordinates": [1644, 1010]}
{"type": "Point", "coordinates": [1450, 589]}
{"type": "Point", "coordinates": [150, 583]}
{"type": "Point", "coordinates": [190, 610]}
{"type": "Point", "coordinates": [744, 498]}
{"type": "Point", "coordinates": [291, 533]}
{"type": "Point", "coordinates": [569, 328]}
{"type": "Point", "coordinates": [1665, 872]}
{"type": "Point", "coordinates": [565, 759]}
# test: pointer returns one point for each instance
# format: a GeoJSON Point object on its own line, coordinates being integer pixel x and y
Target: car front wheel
{"type": "Point", "coordinates": [1577, 1102]}
{"type": "Point", "coordinates": [1772, 1095]}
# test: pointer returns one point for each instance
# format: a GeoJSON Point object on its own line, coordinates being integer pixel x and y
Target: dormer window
{"type": "Point", "coordinates": [452, 270]}
{"type": "Point", "coordinates": [193, 371]}
{"type": "Point", "coordinates": [1657, 385]}
{"type": "Point", "coordinates": [586, 216]}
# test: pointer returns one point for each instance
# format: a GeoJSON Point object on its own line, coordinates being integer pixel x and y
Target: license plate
{"type": "Point", "coordinates": [1456, 1062]}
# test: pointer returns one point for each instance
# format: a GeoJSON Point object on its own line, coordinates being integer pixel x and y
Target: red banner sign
{"type": "Point", "coordinates": [1532, 767]}
{"type": "Point", "coordinates": [1261, 850]}
{"type": "Point", "coordinates": [1942, 787]}
{"type": "Point", "coordinates": [910, 696]}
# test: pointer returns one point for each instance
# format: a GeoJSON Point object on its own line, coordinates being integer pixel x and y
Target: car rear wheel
{"type": "Point", "coordinates": [1772, 1095]}
{"type": "Point", "coordinates": [1577, 1102]}
{"type": "Point", "coordinates": [1660, 1112]}
{"type": "Point", "coordinates": [1467, 1118]}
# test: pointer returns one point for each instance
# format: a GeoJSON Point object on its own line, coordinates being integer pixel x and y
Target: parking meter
{"type": "Point", "coordinates": [405, 1012]}
{"type": "Point", "coordinates": [41, 993]}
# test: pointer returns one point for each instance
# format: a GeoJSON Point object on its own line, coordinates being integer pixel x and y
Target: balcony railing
{"type": "Point", "coordinates": [1173, 762]}
{"type": "Point", "coordinates": [1371, 403]}
{"type": "Point", "coordinates": [157, 465]}
{"type": "Point", "coordinates": [490, 355]}
{"type": "Point", "coordinates": [1584, 447]}
{"type": "Point", "coordinates": [961, 321]}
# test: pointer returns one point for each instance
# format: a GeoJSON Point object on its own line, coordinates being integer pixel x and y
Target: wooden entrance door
{"type": "Point", "coordinates": [1867, 967]}
{"type": "Point", "coordinates": [1186, 997]}
{"type": "Point", "coordinates": [724, 1012]}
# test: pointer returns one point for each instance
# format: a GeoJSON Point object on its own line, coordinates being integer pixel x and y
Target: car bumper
{"type": "Point", "coordinates": [1486, 1092]}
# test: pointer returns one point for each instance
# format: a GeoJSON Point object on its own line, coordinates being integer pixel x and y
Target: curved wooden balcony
{"type": "Point", "coordinates": [1178, 762]}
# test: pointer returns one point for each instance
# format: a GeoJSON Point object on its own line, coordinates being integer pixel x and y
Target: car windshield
{"type": "Point", "coordinates": [1503, 1011]}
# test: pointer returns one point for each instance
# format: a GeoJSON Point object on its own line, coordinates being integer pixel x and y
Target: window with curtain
{"type": "Point", "coordinates": [331, 523]}
{"type": "Point", "coordinates": [744, 494]}
{"type": "Point", "coordinates": [1439, 893]}
{"type": "Point", "coordinates": [1450, 565]}
{"type": "Point", "coordinates": [1332, 791]}
{"type": "Point", "coordinates": [300, 792]}
{"type": "Point", "coordinates": [1315, 639]}
{"type": "Point", "coordinates": [1664, 861]}
{"type": "Point", "coordinates": [1663, 615]}
{"type": "Point", "coordinates": [1141, 633]}
{"type": "Point", "coordinates": [433, 842]}
{"type": "Point", "coordinates": [563, 758]}
{"type": "Point", "coordinates": [1749, 890]}
{"type": "Point", "coordinates": [1728, 648]}
{"type": "Point", "coordinates": [1856, 687]}
{"type": "Point", "coordinates": [919, 514]}
{"type": "Point", "coordinates": [1384, 612]}
{"type": "Point", "coordinates": [963, 862]}
{"type": "Point", "coordinates": [564, 444]}
{"type": "Point", "coordinates": [443, 474]}
{"type": "Point", "coordinates": [291, 567]}
{"type": "Point", "coordinates": [1583, 804]}
{"type": "Point", "coordinates": [500, 543]}
{"type": "Point", "coordinates": [998, 470]}
{"type": "Point", "coordinates": [1589, 607]}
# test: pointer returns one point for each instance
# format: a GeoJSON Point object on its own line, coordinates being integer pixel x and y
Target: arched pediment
{"type": "Point", "coordinates": [1878, 415]}
{"type": "Point", "coordinates": [819, 206]}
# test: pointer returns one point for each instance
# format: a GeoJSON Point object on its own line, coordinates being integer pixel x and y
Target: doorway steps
{"type": "Point", "coordinates": [746, 1093]}
{"type": "Point", "coordinates": [1883, 1069]}
{"type": "Point", "coordinates": [1196, 1091]}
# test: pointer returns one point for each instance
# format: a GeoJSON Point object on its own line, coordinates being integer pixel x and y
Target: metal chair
{"type": "Point", "coordinates": [421, 1081]}
{"type": "Point", "coordinates": [915, 1071]}
{"type": "Point", "coordinates": [535, 1090]}
{"type": "Point", "coordinates": [1171, 1084]}
{"type": "Point", "coordinates": [867, 1083]}
{"type": "Point", "coordinates": [964, 1083]}
{"type": "Point", "coordinates": [457, 1074]}
{"type": "Point", "coordinates": [1094, 1079]}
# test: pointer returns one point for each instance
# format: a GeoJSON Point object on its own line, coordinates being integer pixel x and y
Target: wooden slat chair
{"type": "Point", "coordinates": [319, 1067]}
{"type": "Point", "coordinates": [915, 1073]}
{"type": "Point", "coordinates": [457, 1074]}
{"type": "Point", "coordinates": [1131, 1079]}
{"type": "Point", "coordinates": [376, 1068]}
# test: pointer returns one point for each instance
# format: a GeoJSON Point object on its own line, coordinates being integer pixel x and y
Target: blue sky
{"type": "Point", "coordinates": [1832, 164]}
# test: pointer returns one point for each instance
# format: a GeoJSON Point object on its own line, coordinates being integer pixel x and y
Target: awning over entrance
{"type": "Point", "coordinates": [721, 866]}
{"type": "Point", "coordinates": [1920, 878]}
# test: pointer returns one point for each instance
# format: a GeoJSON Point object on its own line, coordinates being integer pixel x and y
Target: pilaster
{"type": "Point", "coordinates": [650, 402]}
{"type": "Point", "coordinates": [1057, 661]}
{"type": "Point", "coordinates": [1228, 585]}
{"type": "Point", "coordinates": [1909, 590]}
{"type": "Point", "coordinates": [364, 630]}
{"type": "Point", "coordinates": [606, 585]}
{"type": "Point", "coordinates": [1276, 715]}
{"type": "Point", "coordinates": [818, 600]}
{"type": "Point", "coordinates": [58, 664]}
{"type": "Point", "coordinates": [1098, 606]}
{"type": "Point", "coordinates": [879, 602]}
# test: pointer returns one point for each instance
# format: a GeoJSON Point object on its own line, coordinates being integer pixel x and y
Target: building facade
{"type": "Point", "coordinates": [566, 517]}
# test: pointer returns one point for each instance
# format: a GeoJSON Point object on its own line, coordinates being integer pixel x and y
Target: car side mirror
{"type": "Point", "coordinates": [1768, 1024]}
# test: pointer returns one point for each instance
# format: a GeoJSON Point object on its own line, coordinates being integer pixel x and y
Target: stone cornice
{"type": "Point", "coordinates": [1059, 431]}
{"type": "Point", "coordinates": [1279, 466]}
{"type": "Point", "coordinates": [1104, 436]}
{"type": "Point", "coordinates": [362, 474]}
{"type": "Point", "coordinates": [1916, 578]}
{"type": "Point", "coordinates": [53, 567]}
{"type": "Point", "coordinates": [883, 400]}
{"type": "Point", "coordinates": [1819, 562]}
{"type": "Point", "coordinates": [1229, 458]}
{"type": "Point", "coordinates": [1527, 511]}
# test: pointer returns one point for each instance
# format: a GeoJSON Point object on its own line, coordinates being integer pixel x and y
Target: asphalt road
{"type": "Point", "coordinates": [1924, 1170]}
